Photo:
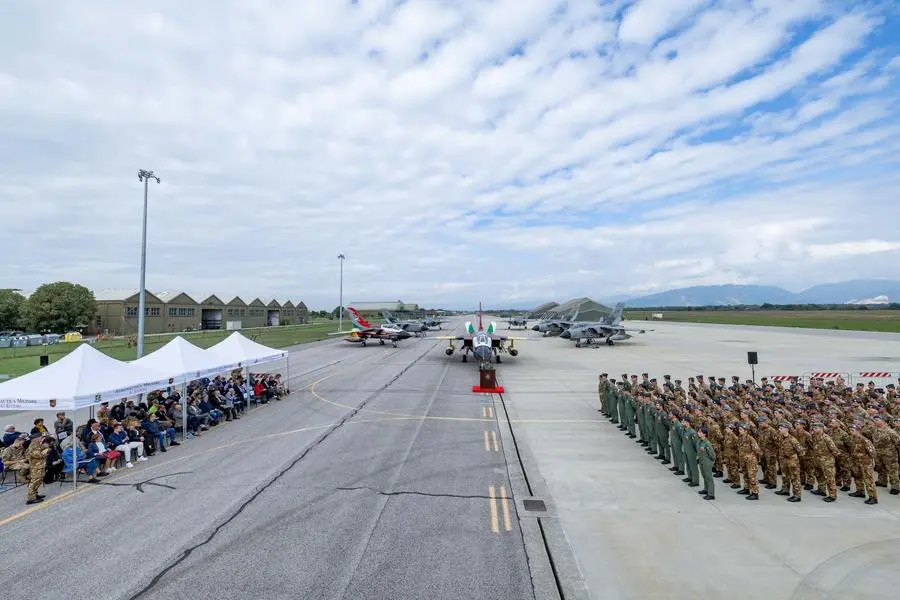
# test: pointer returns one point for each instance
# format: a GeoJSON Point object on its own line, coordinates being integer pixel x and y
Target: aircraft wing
{"type": "Point", "coordinates": [452, 337]}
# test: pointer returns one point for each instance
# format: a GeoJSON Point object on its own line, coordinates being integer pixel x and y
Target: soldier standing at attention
{"type": "Point", "coordinates": [601, 391]}
{"type": "Point", "coordinates": [36, 454]}
{"type": "Point", "coordinates": [731, 457]}
{"type": "Point", "coordinates": [807, 469]}
{"type": "Point", "coordinates": [887, 444]}
{"type": "Point", "coordinates": [825, 451]}
{"type": "Point", "coordinates": [748, 455]}
{"type": "Point", "coordinates": [675, 431]}
{"type": "Point", "coordinates": [862, 453]}
{"type": "Point", "coordinates": [650, 419]}
{"type": "Point", "coordinates": [689, 445]}
{"type": "Point", "coordinates": [842, 463]}
{"type": "Point", "coordinates": [631, 405]}
{"type": "Point", "coordinates": [620, 402]}
{"type": "Point", "coordinates": [768, 441]}
{"type": "Point", "coordinates": [707, 457]}
{"type": "Point", "coordinates": [662, 433]}
{"type": "Point", "coordinates": [615, 398]}
{"type": "Point", "coordinates": [790, 452]}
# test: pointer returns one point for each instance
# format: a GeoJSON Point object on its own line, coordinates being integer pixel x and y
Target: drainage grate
{"type": "Point", "coordinates": [536, 505]}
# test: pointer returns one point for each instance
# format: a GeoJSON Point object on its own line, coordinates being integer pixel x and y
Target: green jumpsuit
{"type": "Point", "coordinates": [707, 457]}
{"type": "Point", "coordinates": [689, 445]}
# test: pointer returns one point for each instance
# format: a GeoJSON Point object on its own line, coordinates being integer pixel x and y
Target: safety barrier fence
{"type": "Point", "coordinates": [879, 378]}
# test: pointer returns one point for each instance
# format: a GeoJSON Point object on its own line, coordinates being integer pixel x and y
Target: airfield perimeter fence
{"type": "Point", "coordinates": [201, 338]}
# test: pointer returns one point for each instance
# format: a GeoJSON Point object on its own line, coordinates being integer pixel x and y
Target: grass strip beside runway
{"type": "Point", "coordinates": [849, 320]}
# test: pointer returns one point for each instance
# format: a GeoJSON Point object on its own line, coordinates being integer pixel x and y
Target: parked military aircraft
{"type": "Point", "coordinates": [363, 331]}
{"type": "Point", "coordinates": [552, 327]}
{"type": "Point", "coordinates": [418, 328]}
{"type": "Point", "coordinates": [609, 329]}
{"type": "Point", "coordinates": [517, 322]}
{"type": "Point", "coordinates": [482, 343]}
{"type": "Point", "coordinates": [433, 322]}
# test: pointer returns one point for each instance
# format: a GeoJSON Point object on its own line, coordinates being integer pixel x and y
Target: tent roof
{"type": "Point", "coordinates": [183, 361]}
{"type": "Point", "coordinates": [245, 352]}
{"type": "Point", "coordinates": [79, 379]}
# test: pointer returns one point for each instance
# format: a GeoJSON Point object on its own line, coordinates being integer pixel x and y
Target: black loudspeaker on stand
{"type": "Point", "coordinates": [752, 360]}
{"type": "Point", "coordinates": [45, 360]}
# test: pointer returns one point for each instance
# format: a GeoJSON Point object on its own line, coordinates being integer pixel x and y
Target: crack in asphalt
{"type": "Point", "coordinates": [415, 493]}
{"type": "Point", "coordinates": [190, 550]}
{"type": "Point", "coordinates": [139, 486]}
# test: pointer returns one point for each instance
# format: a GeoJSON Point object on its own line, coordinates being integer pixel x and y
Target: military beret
{"type": "Point", "coordinates": [800, 422]}
{"type": "Point", "coordinates": [704, 429]}
{"type": "Point", "coordinates": [653, 380]}
{"type": "Point", "coordinates": [699, 376]}
{"type": "Point", "coordinates": [784, 425]}
{"type": "Point", "coordinates": [634, 376]}
{"type": "Point", "coordinates": [620, 383]}
{"type": "Point", "coordinates": [817, 424]}
{"type": "Point", "coordinates": [667, 377]}
{"type": "Point", "coordinates": [604, 375]}
{"type": "Point", "coordinates": [645, 375]}
{"type": "Point", "coordinates": [744, 426]}
{"type": "Point", "coordinates": [877, 418]}
{"type": "Point", "coordinates": [760, 419]}
{"type": "Point", "coordinates": [854, 426]}
{"type": "Point", "coordinates": [890, 386]}
{"type": "Point", "coordinates": [678, 381]}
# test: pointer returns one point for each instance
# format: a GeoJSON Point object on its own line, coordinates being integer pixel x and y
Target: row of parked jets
{"type": "Point", "coordinates": [484, 343]}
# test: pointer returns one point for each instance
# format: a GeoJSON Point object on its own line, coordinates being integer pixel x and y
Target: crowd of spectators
{"type": "Point", "coordinates": [819, 437]}
{"type": "Point", "coordinates": [131, 430]}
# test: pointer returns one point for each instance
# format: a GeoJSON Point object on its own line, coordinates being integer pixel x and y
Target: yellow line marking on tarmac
{"type": "Point", "coordinates": [504, 502]}
{"type": "Point", "coordinates": [496, 445]}
{"type": "Point", "coordinates": [495, 527]}
{"type": "Point", "coordinates": [487, 447]}
{"type": "Point", "coordinates": [490, 412]}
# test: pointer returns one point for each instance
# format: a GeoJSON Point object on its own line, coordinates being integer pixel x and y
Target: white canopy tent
{"type": "Point", "coordinates": [239, 349]}
{"type": "Point", "coordinates": [185, 362]}
{"type": "Point", "coordinates": [80, 379]}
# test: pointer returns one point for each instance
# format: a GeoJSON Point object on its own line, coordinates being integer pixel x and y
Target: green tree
{"type": "Point", "coordinates": [11, 303]}
{"type": "Point", "coordinates": [59, 307]}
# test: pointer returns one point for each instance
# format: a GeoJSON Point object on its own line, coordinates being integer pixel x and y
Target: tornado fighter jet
{"type": "Point", "coordinates": [417, 328]}
{"type": "Point", "coordinates": [517, 322]}
{"type": "Point", "coordinates": [363, 331]}
{"type": "Point", "coordinates": [482, 343]}
{"type": "Point", "coordinates": [609, 329]}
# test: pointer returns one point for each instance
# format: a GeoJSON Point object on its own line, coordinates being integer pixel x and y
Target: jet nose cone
{"type": "Point", "coordinates": [536, 328]}
{"type": "Point", "coordinates": [565, 334]}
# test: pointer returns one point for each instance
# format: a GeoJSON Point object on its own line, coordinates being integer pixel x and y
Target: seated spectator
{"type": "Point", "coordinates": [85, 464]}
{"type": "Point", "coordinates": [200, 418]}
{"type": "Point", "coordinates": [281, 386]}
{"type": "Point", "coordinates": [14, 457]}
{"type": "Point", "coordinates": [133, 427]}
{"type": "Point", "coordinates": [53, 468]}
{"type": "Point", "coordinates": [39, 427]}
{"type": "Point", "coordinates": [10, 435]}
{"type": "Point", "coordinates": [98, 450]}
{"type": "Point", "coordinates": [62, 424]}
{"type": "Point", "coordinates": [119, 440]}
{"type": "Point", "coordinates": [152, 425]}
{"type": "Point", "coordinates": [118, 411]}
{"type": "Point", "coordinates": [87, 433]}
{"type": "Point", "coordinates": [225, 403]}
{"type": "Point", "coordinates": [207, 408]}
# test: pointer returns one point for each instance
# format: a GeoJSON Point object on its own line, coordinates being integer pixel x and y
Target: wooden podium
{"type": "Point", "coordinates": [487, 382]}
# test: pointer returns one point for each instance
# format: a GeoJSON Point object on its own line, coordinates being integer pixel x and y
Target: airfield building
{"type": "Point", "coordinates": [399, 308]}
{"type": "Point", "coordinates": [169, 312]}
{"type": "Point", "coordinates": [579, 309]}
{"type": "Point", "coordinates": [539, 311]}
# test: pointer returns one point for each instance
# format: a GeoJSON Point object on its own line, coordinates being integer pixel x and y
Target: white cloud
{"type": "Point", "coordinates": [686, 142]}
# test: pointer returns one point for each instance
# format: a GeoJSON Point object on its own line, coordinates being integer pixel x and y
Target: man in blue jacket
{"type": "Point", "coordinates": [151, 424]}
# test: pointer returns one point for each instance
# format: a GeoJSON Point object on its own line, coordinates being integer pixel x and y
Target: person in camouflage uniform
{"type": "Point", "coordinates": [36, 454]}
{"type": "Point", "coordinates": [807, 464]}
{"type": "Point", "coordinates": [790, 453]}
{"type": "Point", "coordinates": [748, 455]}
{"type": "Point", "coordinates": [887, 446]}
{"type": "Point", "coordinates": [862, 453]}
{"type": "Point", "coordinates": [603, 392]}
{"type": "Point", "coordinates": [768, 443]}
{"type": "Point", "coordinates": [841, 438]}
{"type": "Point", "coordinates": [825, 452]}
{"type": "Point", "coordinates": [731, 456]}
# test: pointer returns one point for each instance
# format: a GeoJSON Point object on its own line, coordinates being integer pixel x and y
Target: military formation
{"type": "Point", "coordinates": [818, 437]}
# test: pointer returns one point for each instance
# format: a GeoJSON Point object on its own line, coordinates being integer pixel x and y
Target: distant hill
{"type": "Point", "coordinates": [860, 291]}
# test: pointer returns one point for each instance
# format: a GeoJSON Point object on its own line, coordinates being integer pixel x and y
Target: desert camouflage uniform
{"type": "Point", "coordinates": [37, 464]}
{"type": "Point", "coordinates": [862, 453]}
{"type": "Point", "coordinates": [825, 451]}
{"type": "Point", "coordinates": [886, 444]}
{"type": "Point", "coordinates": [748, 455]}
{"type": "Point", "coordinates": [790, 453]}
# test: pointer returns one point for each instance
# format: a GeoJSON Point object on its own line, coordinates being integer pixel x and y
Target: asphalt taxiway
{"type": "Point", "coordinates": [382, 476]}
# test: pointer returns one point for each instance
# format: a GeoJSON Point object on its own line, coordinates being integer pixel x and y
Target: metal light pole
{"type": "Point", "coordinates": [145, 177]}
{"type": "Point", "coordinates": [341, 257]}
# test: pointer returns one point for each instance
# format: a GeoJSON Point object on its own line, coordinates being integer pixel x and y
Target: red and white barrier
{"type": "Point", "coordinates": [827, 375]}
{"type": "Point", "coordinates": [783, 377]}
{"type": "Point", "coordinates": [875, 374]}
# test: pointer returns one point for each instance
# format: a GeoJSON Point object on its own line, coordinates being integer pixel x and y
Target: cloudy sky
{"type": "Point", "coordinates": [513, 151]}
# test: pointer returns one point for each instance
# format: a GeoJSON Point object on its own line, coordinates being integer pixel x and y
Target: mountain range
{"type": "Point", "coordinates": [860, 291]}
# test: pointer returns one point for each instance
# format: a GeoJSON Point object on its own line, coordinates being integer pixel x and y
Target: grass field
{"type": "Point", "coordinates": [854, 320]}
{"type": "Point", "coordinates": [18, 361]}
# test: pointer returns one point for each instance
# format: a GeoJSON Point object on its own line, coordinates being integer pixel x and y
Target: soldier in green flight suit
{"type": "Point", "coordinates": [631, 405]}
{"type": "Point", "coordinates": [662, 433]}
{"type": "Point", "coordinates": [602, 392]}
{"type": "Point", "coordinates": [615, 391]}
{"type": "Point", "coordinates": [689, 445]}
{"type": "Point", "coordinates": [675, 433]}
{"type": "Point", "coordinates": [620, 406]}
{"type": "Point", "coordinates": [650, 419]}
{"type": "Point", "coordinates": [707, 458]}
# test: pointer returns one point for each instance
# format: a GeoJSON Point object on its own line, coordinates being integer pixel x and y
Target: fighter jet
{"type": "Point", "coordinates": [552, 327]}
{"type": "Point", "coordinates": [417, 328]}
{"type": "Point", "coordinates": [517, 322]}
{"type": "Point", "coordinates": [363, 331]}
{"type": "Point", "coordinates": [610, 329]}
{"type": "Point", "coordinates": [433, 323]}
{"type": "Point", "coordinates": [482, 343]}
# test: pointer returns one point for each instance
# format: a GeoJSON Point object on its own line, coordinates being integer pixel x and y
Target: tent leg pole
{"type": "Point", "coordinates": [74, 449]}
{"type": "Point", "coordinates": [184, 413]}
{"type": "Point", "coordinates": [287, 360]}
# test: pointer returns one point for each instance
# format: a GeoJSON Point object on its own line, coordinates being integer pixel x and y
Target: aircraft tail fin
{"type": "Point", "coordinates": [480, 315]}
{"type": "Point", "coordinates": [388, 316]}
{"type": "Point", "coordinates": [357, 319]}
{"type": "Point", "coordinates": [616, 315]}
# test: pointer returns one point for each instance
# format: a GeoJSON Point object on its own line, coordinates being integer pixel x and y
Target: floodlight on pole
{"type": "Point", "coordinates": [341, 257]}
{"type": "Point", "coordinates": [145, 177]}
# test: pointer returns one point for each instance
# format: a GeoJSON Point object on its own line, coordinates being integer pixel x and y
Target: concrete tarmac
{"type": "Point", "coordinates": [638, 531]}
{"type": "Point", "coordinates": [382, 476]}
